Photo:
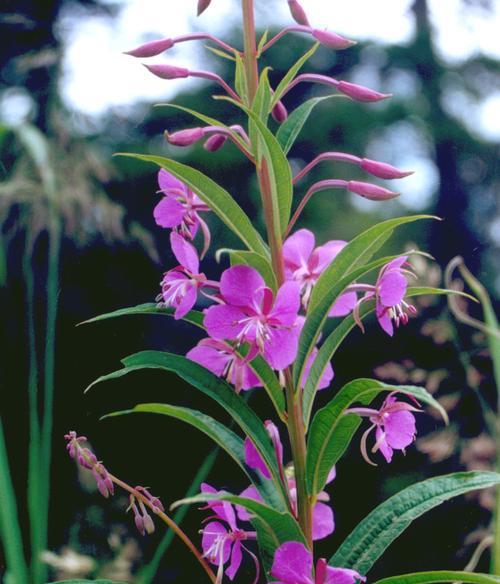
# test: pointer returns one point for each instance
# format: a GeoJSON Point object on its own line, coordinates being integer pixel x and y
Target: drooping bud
{"type": "Point", "coordinates": [215, 142]}
{"type": "Point", "coordinates": [184, 137]}
{"type": "Point", "coordinates": [360, 92]}
{"type": "Point", "coordinates": [382, 169]}
{"type": "Point", "coordinates": [167, 71]}
{"type": "Point", "coordinates": [151, 49]}
{"type": "Point", "coordinates": [370, 191]}
{"type": "Point", "coordinates": [298, 13]}
{"type": "Point", "coordinates": [202, 6]}
{"type": "Point", "coordinates": [332, 40]}
{"type": "Point", "coordinates": [279, 112]}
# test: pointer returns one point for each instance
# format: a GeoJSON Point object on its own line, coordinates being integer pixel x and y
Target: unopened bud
{"type": "Point", "coordinates": [215, 142]}
{"type": "Point", "coordinates": [370, 191]}
{"type": "Point", "coordinates": [202, 6]}
{"type": "Point", "coordinates": [151, 49]}
{"type": "Point", "coordinates": [139, 523]}
{"type": "Point", "coordinates": [279, 112]}
{"type": "Point", "coordinates": [167, 71]}
{"type": "Point", "coordinates": [298, 13]}
{"type": "Point", "coordinates": [149, 525]}
{"type": "Point", "coordinates": [382, 169]}
{"type": "Point", "coordinates": [360, 92]}
{"type": "Point", "coordinates": [332, 40]}
{"type": "Point", "coordinates": [184, 137]}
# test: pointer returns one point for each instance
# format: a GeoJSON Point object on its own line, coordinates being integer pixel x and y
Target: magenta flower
{"type": "Point", "coordinates": [222, 360]}
{"type": "Point", "coordinates": [179, 209]}
{"type": "Point", "coordinates": [179, 287]}
{"type": "Point", "coordinates": [304, 264]}
{"type": "Point", "coordinates": [293, 564]}
{"type": "Point", "coordinates": [222, 542]}
{"type": "Point", "coordinates": [394, 426]}
{"type": "Point", "coordinates": [251, 314]}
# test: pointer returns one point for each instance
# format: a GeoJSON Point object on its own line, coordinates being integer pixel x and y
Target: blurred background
{"type": "Point", "coordinates": [77, 238]}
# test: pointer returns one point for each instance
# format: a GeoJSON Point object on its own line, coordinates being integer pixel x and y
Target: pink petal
{"type": "Point", "coordinates": [236, 557]}
{"type": "Point", "coordinates": [287, 303]}
{"type": "Point", "coordinates": [396, 264]}
{"type": "Point", "coordinates": [323, 522]}
{"type": "Point", "coordinates": [185, 253]}
{"type": "Point", "coordinates": [342, 576]}
{"type": "Point", "coordinates": [331, 475]}
{"type": "Point", "coordinates": [248, 378]}
{"type": "Point", "coordinates": [187, 301]}
{"type": "Point", "coordinates": [169, 212]}
{"type": "Point", "coordinates": [167, 182]}
{"type": "Point", "coordinates": [293, 563]}
{"type": "Point", "coordinates": [221, 321]}
{"type": "Point", "coordinates": [281, 348]}
{"type": "Point", "coordinates": [254, 459]}
{"type": "Point", "coordinates": [344, 304]}
{"type": "Point", "coordinates": [384, 319]}
{"type": "Point", "coordinates": [384, 448]}
{"type": "Point", "coordinates": [392, 288]}
{"type": "Point", "coordinates": [400, 429]}
{"type": "Point", "coordinates": [249, 493]}
{"type": "Point", "coordinates": [297, 249]}
{"type": "Point", "coordinates": [222, 509]}
{"type": "Point", "coordinates": [210, 358]}
{"type": "Point", "coordinates": [211, 532]}
{"type": "Point", "coordinates": [325, 254]}
{"type": "Point", "coordinates": [240, 285]}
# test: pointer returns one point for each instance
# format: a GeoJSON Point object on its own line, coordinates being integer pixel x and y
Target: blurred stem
{"type": "Point", "coordinates": [250, 48]}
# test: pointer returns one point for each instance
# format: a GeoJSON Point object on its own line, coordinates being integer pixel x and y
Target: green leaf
{"type": "Point", "coordinates": [220, 53]}
{"type": "Point", "coordinates": [291, 127]}
{"type": "Point", "coordinates": [262, 99]}
{"type": "Point", "coordinates": [335, 338]}
{"type": "Point", "coordinates": [368, 541]}
{"type": "Point", "coordinates": [262, 42]}
{"type": "Point", "coordinates": [439, 576]}
{"type": "Point", "coordinates": [292, 72]}
{"type": "Point", "coordinates": [240, 80]}
{"type": "Point", "coordinates": [210, 385]}
{"type": "Point", "coordinates": [222, 436]}
{"type": "Point", "coordinates": [193, 317]}
{"type": "Point", "coordinates": [273, 528]}
{"type": "Point", "coordinates": [217, 198]}
{"type": "Point", "coordinates": [332, 430]}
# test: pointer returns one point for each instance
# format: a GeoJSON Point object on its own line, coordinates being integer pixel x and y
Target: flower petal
{"type": "Point", "coordinates": [344, 304]}
{"type": "Point", "coordinates": [326, 253]}
{"type": "Point", "coordinates": [185, 253]}
{"type": "Point", "coordinates": [209, 357]}
{"type": "Point", "coordinates": [236, 557]}
{"type": "Point", "coordinates": [167, 182]}
{"type": "Point", "coordinates": [240, 285]}
{"type": "Point", "coordinates": [342, 576]}
{"type": "Point", "coordinates": [169, 212]}
{"type": "Point", "coordinates": [400, 429]}
{"type": "Point", "coordinates": [249, 493]}
{"type": "Point", "coordinates": [293, 563]}
{"type": "Point", "coordinates": [392, 288]}
{"type": "Point", "coordinates": [254, 460]}
{"type": "Point", "coordinates": [281, 348]}
{"type": "Point", "coordinates": [381, 441]}
{"type": "Point", "coordinates": [287, 303]}
{"type": "Point", "coordinates": [211, 532]}
{"type": "Point", "coordinates": [297, 249]}
{"type": "Point", "coordinates": [187, 301]}
{"type": "Point", "coordinates": [323, 522]}
{"type": "Point", "coordinates": [384, 319]}
{"type": "Point", "coordinates": [222, 321]}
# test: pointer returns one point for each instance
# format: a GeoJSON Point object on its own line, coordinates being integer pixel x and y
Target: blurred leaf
{"type": "Point", "coordinates": [437, 577]}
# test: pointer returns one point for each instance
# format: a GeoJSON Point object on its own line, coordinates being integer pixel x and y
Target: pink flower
{"type": "Point", "coordinates": [304, 264]}
{"type": "Point", "coordinates": [222, 542]}
{"type": "Point", "coordinates": [394, 425]}
{"type": "Point", "coordinates": [251, 314]}
{"type": "Point", "coordinates": [179, 209]}
{"type": "Point", "coordinates": [222, 360]}
{"type": "Point", "coordinates": [293, 564]}
{"type": "Point", "coordinates": [179, 287]}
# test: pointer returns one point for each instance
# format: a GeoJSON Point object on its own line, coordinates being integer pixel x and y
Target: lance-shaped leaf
{"type": "Point", "coordinates": [212, 386]}
{"type": "Point", "coordinates": [273, 527]}
{"type": "Point", "coordinates": [221, 435]}
{"type": "Point", "coordinates": [332, 429]}
{"type": "Point", "coordinates": [193, 317]}
{"type": "Point", "coordinates": [217, 198]}
{"type": "Point", "coordinates": [335, 338]}
{"type": "Point", "coordinates": [368, 541]}
{"type": "Point", "coordinates": [262, 99]}
{"type": "Point", "coordinates": [344, 270]}
{"type": "Point", "coordinates": [441, 576]}
{"type": "Point", "coordinates": [291, 127]}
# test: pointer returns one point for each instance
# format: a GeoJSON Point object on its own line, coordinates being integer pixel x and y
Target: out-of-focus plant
{"type": "Point", "coordinates": [264, 328]}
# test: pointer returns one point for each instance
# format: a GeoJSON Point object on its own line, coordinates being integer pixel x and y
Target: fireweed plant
{"type": "Point", "coordinates": [264, 332]}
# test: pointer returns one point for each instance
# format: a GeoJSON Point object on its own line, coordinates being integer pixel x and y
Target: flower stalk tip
{"type": "Point", "coordinates": [298, 13]}
{"type": "Point", "coordinates": [332, 40]}
{"type": "Point", "coordinates": [151, 49]}
{"type": "Point", "coordinates": [167, 71]}
{"type": "Point", "coordinates": [202, 6]}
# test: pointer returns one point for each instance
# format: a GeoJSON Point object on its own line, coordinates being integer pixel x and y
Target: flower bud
{"type": "Point", "coordinates": [139, 523]}
{"type": "Point", "coordinates": [215, 142]}
{"type": "Point", "coordinates": [382, 169]}
{"type": "Point", "coordinates": [370, 191]}
{"type": "Point", "coordinates": [167, 71]}
{"type": "Point", "coordinates": [151, 49]}
{"type": "Point", "coordinates": [202, 6]}
{"type": "Point", "coordinates": [279, 112]}
{"type": "Point", "coordinates": [149, 525]}
{"type": "Point", "coordinates": [360, 93]}
{"type": "Point", "coordinates": [298, 13]}
{"type": "Point", "coordinates": [184, 137]}
{"type": "Point", "coordinates": [332, 40]}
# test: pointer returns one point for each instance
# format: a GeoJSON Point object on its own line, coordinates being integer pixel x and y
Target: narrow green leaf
{"type": "Point", "coordinates": [240, 80]}
{"type": "Point", "coordinates": [193, 317]}
{"type": "Point", "coordinates": [332, 430]}
{"type": "Point", "coordinates": [262, 99]}
{"type": "Point", "coordinates": [273, 528]}
{"type": "Point", "coordinates": [441, 576]}
{"type": "Point", "coordinates": [368, 541]}
{"type": "Point", "coordinates": [221, 435]}
{"type": "Point", "coordinates": [217, 198]}
{"type": "Point", "coordinates": [335, 338]}
{"type": "Point", "coordinates": [292, 72]}
{"type": "Point", "coordinates": [212, 386]}
{"type": "Point", "coordinates": [220, 53]}
{"type": "Point", "coordinates": [292, 126]}
{"type": "Point", "coordinates": [262, 42]}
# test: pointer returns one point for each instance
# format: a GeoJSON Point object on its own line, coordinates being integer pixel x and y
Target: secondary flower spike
{"type": "Point", "coordinates": [293, 564]}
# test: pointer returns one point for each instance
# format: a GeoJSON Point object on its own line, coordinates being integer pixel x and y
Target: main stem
{"type": "Point", "coordinates": [295, 421]}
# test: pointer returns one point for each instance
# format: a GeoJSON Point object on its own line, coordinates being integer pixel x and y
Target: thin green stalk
{"type": "Point", "coordinates": [10, 531]}
{"type": "Point", "coordinates": [148, 573]}
{"type": "Point", "coordinates": [34, 488]}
